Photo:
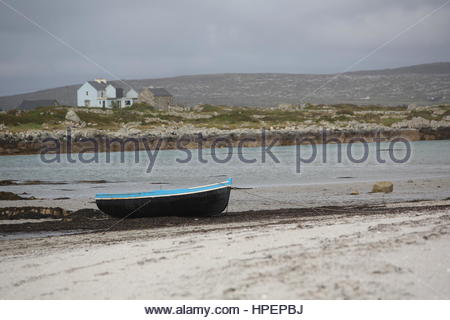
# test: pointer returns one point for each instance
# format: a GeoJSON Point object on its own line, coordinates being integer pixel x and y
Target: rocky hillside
{"type": "Point", "coordinates": [420, 84]}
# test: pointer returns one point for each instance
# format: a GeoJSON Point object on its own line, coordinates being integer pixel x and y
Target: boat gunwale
{"type": "Point", "coordinates": [164, 193]}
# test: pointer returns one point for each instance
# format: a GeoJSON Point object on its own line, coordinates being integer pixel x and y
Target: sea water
{"type": "Point", "coordinates": [427, 159]}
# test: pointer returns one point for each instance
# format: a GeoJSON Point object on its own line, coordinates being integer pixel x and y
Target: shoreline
{"type": "Point", "coordinates": [329, 193]}
{"type": "Point", "coordinates": [82, 213]}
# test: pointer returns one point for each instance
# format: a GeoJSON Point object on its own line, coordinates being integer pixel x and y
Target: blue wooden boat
{"type": "Point", "coordinates": [206, 200]}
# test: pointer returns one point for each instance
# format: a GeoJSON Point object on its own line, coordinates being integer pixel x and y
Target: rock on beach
{"type": "Point", "coordinates": [383, 186]}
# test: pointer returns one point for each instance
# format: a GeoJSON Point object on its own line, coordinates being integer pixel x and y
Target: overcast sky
{"type": "Point", "coordinates": [161, 38]}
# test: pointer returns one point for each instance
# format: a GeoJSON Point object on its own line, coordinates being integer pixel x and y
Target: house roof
{"type": "Point", "coordinates": [118, 85]}
{"type": "Point", "coordinates": [32, 104]}
{"type": "Point", "coordinates": [98, 85]}
{"type": "Point", "coordinates": [160, 92]}
{"type": "Point", "coordinates": [122, 90]}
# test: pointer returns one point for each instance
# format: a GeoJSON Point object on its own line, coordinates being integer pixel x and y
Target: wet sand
{"type": "Point", "coordinates": [292, 196]}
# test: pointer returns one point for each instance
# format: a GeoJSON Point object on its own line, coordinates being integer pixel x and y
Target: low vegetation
{"type": "Point", "coordinates": [145, 117]}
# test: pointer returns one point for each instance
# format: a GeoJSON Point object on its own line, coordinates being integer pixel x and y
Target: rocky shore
{"type": "Point", "coordinates": [89, 130]}
{"type": "Point", "coordinates": [86, 140]}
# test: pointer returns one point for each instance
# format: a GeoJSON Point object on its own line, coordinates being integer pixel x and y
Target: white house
{"type": "Point", "coordinates": [101, 93]}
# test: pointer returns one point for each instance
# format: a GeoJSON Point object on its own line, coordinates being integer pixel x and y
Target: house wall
{"type": "Point", "coordinates": [124, 101]}
{"type": "Point", "coordinates": [132, 94]}
{"type": "Point", "coordinates": [87, 92]}
{"type": "Point", "coordinates": [163, 102]}
{"type": "Point", "coordinates": [146, 96]}
{"type": "Point", "coordinates": [111, 91]}
{"type": "Point", "coordinates": [130, 98]}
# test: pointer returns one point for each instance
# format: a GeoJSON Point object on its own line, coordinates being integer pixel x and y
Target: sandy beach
{"type": "Point", "coordinates": [390, 254]}
{"type": "Point", "coordinates": [291, 242]}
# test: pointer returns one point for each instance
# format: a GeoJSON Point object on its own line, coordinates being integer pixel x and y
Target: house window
{"type": "Point", "coordinates": [128, 102]}
{"type": "Point", "coordinates": [87, 93]}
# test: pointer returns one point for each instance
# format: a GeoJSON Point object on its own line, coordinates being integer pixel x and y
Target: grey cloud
{"type": "Point", "coordinates": [144, 39]}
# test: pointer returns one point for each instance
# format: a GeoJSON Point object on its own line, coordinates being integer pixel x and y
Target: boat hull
{"type": "Point", "coordinates": [205, 203]}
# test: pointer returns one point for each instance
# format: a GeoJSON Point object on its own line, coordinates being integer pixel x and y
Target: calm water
{"type": "Point", "coordinates": [428, 159]}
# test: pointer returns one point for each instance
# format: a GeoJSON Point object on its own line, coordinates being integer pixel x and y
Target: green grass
{"type": "Point", "coordinates": [142, 107]}
{"type": "Point", "coordinates": [345, 112]}
{"type": "Point", "coordinates": [104, 121]}
{"type": "Point", "coordinates": [445, 107]}
{"type": "Point", "coordinates": [237, 117]}
{"type": "Point", "coordinates": [390, 121]}
{"type": "Point", "coordinates": [26, 126]}
{"type": "Point", "coordinates": [368, 118]}
{"type": "Point", "coordinates": [282, 116]}
{"type": "Point", "coordinates": [169, 117]}
{"type": "Point", "coordinates": [233, 117]}
{"type": "Point", "coordinates": [211, 108]}
{"type": "Point", "coordinates": [38, 116]}
{"type": "Point", "coordinates": [426, 114]}
{"type": "Point", "coordinates": [342, 117]}
{"type": "Point", "coordinates": [353, 108]}
{"type": "Point", "coordinates": [446, 113]}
